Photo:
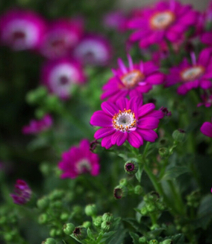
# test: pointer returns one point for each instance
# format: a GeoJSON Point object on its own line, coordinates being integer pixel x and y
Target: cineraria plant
{"type": "Point", "coordinates": [118, 148]}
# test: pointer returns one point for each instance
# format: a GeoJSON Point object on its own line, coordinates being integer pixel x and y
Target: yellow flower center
{"type": "Point", "coordinates": [124, 120]}
{"type": "Point", "coordinates": [131, 79]}
{"type": "Point", "coordinates": [162, 20]}
{"type": "Point", "coordinates": [192, 73]}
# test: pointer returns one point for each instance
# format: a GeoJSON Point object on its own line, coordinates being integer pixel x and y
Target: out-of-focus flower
{"type": "Point", "coordinates": [37, 126]}
{"type": "Point", "coordinates": [21, 29]}
{"type": "Point", "coordinates": [132, 81]}
{"type": "Point", "coordinates": [197, 74]}
{"type": "Point", "coordinates": [60, 38]}
{"type": "Point", "coordinates": [206, 129]}
{"type": "Point", "coordinates": [22, 192]}
{"type": "Point", "coordinates": [59, 76]}
{"type": "Point", "coordinates": [93, 50]}
{"type": "Point", "coordinates": [166, 20]}
{"type": "Point", "coordinates": [206, 100]}
{"type": "Point", "coordinates": [115, 20]}
{"type": "Point", "coordinates": [166, 112]}
{"type": "Point", "coordinates": [79, 160]}
{"type": "Point", "coordinates": [126, 120]}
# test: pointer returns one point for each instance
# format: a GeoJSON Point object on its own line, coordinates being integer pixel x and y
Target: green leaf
{"type": "Point", "coordinates": [139, 173]}
{"type": "Point", "coordinates": [204, 214]}
{"type": "Point", "coordinates": [174, 172]}
{"type": "Point", "coordinates": [138, 227]}
{"type": "Point", "coordinates": [135, 237]}
{"type": "Point", "coordinates": [118, 238]}
{"type": "Point", "coordinates": [90, 234]}
{"type": "Point", "coordinates": [178, 239]}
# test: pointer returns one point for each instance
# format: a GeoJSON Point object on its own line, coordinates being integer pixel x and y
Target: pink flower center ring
{"type": "Point", "coordinates": [131, 79]}
{"type": "Point", "coordinates": [162, 20]}
{"type": "Point", "coordinates": [124, 120]}
{"type": "Point", "coordinates": [192, 73]}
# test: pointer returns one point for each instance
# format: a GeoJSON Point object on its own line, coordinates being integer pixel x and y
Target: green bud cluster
{"type": "Point", "coordinates": [120, 191]}
{"type": "Point", "coordinates": [153, 204]}
{"type": "Point", "coordinates": [193, 199]}
{"type": "Point", "coordinates": [49, 241]}
{"type": "Point", "coordinates": [97, 221]}
{"type": "Point", "coordinates": [179, 136]}
{"type": "Point", "coordinates": [80, 233]}
{"type": "Point", "coordinates": [68, 228]}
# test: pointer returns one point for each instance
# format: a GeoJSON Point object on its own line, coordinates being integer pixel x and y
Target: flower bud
{"type": "Point", "coordinates": [160, 206]}
{"type": "Point", "coordinates": [105, 226]}
{"type": "Point", "coordinates": [43, 203]}
{"type": "Point", "coordinates": [97, 221]}
{"type": "Point", "coordinates": [138, 190]}
{"type": "Point", "coordinates": [107, 217]}
{"type": "Point", "coordinates": [56, 204]}
{"type": "Point", "coordinates": [123, 182]}
{"type": "Point", "coordinates": [142, 240]}
{"type": "Point", "coordinates": [43, 218]}
{"type": "Point", "coordinates": [53, 233]}
{"type": "Point", "coordinates": [120, 191]}
{"type": "Point", "coordinates": [154, 241]}
{"type": "Point", "coordinates": [179, 135]}
{"type": "Point", "coordinates": [150, 208]}
{"type": "Point", "coordinates": [68, 228]}
{"type": "Point", "coordinates": [80, 232]}
{"type": "Point", "coordinates": [167, 241]}
{"type": "Point", "coordinates": [56, 194]}
{"type": "Point", "coordinates": [131, 167]}
{"type": "Point", "coordinates": [77, 210]}
{"type": "Point", "coordinates": [90, 210]}
{"type": "Point", "coordinates": [64, 216]}
{"type": "Point", "coordinates": [49, 241]}
{"type": "Point", "coordinates": [86, 224]}
{"type": "Point", "coordinates": [144, 211]}
{"type": "Point", "coordinates": [163, 151]}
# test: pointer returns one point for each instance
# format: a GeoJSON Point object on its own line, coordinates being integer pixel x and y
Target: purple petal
{"type": "Point", "coordinates": [156, 114]}
{"type": "Point", "coordinates": [135, 139]}
{"type": "Point", "coordinates": [100, 118]}
{"type": "Point", "coordinates": [204, 57]}
{"type": "Point", "coordinates": [146, 108]}
{"type": "Point", "coordinates": [119, 138]}
{"type": "Point", "coordinates": [205, 84]}
{"type": "Point", "coordinates": [182, 90]}
{"type": "Point", "coordinates": [148, 135]}
{"type": "Point", "coordinates": [122, 103]}
{"type": "Point", "coordinates": [103, 132]}
{"type": "Point", "coordinates": [122, 66]}
{"type": "Point", "coordinates": [206, 129]}
{"type": "Point", "coordinates": [109, 108]}
{"type": "Point", "coordinates": [106, 142]}
{"type": "Point", "coordinates": [155, 79]}
{"type": "Point", "coordinates": [148, 123]}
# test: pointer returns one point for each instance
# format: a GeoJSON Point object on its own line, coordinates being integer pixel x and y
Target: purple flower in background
{"type": "Point", "coordinates": [206, 100]}
{"type": "Point", "coordinates": [59, 76]}
{"type": "Point", "coordinates": [115, 20]}
{"type": "Point", "coordinates": [93, 50]}
{"type": "Point", "coordinates": [22, 193]}
{"type": "Point", "coordinates": [133, 80]}
{"type": "Point", "coordinates": [60, 38]}
{"type": "Point", "coordinates": [206, 129]}
{"type": "Point", "coordinates": [190, 76]}
{"type": "Point", "coordinates": [37, 126]}
{"type": "Point", "coordinates": [126, 120]}
{"type": "Point", "coordinates": [22, 29]}
{"type": "Point", "coordinates": [166, 20]}
{"type": "Point", "coordinates": [79, 160]}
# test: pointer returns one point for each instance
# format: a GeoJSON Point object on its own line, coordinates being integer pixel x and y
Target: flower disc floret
{"type": "Point", "coordinates": [124, 120]}
{"type": "Point", "coordinates": [162, 20]}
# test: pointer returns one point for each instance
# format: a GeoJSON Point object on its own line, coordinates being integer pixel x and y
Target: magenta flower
{"type": "Point", "coordinates": [22, 193]}
{"type": "Point", "coordinates": [60, 75]}
{"type": "Point", "coordinates": [93, 50]}
{"type": "Point", "coordinates": [206, 100]}
{"type": "Point", "coordinates": [165, 20]}
{"type": "Point", "coordinates": [79, 160]}
{"type": "Point", "coordinates": [206, 129]}
{"type": "Point", "coordinates": [21, 29]}
{"type": "Point", "coordinates": [197, 74]}
{"type": "Point", "coordinates": [37, 126]}
{"type": "Point", "coordinates": [60, 38]}
{"type": "Point", "coordinates": [115, 20]}
{"type": "Point", "coordinates": [126, 120]}
{"type": "Point", "coordinates": [133, 81]}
